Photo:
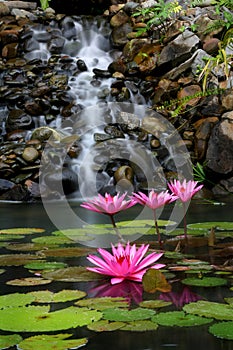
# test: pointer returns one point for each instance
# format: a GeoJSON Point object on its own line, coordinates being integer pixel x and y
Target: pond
{"type": "Point", "coordinates": [150, 327]}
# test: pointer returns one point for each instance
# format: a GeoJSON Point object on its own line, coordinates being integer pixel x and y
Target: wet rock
{"type": "Point", "coordinates": [119, 19]}
{"type": "Point", "coordinates": [4, 9]}
{"type": "Point", "coordinates": [66, 181]}
{"type": "Point", "coordinates": [219, 153]}
{"type": "Point", "coordinates": [10, 50]}
{"type": "Point", "coordinates": [211, 46]}
{"type": "Point", "coordinates": [43, 133]}
{"type": "Point", "coordinates": [33, 108]}
{"type": "Point", "coordinates": [81, 65]}
{"type": "Point", "coordinates": [18, 119]}
{"type": "Point", "coordinates": [189, 91]}
{"type": "Point", "coordinates": [101, 73]}
{"type": "Point", "coordinates": [119, 35]}
{"type": "Point", "coordinates": [16, 193]}
{"type": "Point", "coordinates": [68, 27]}
{"type": "Point", "coordinates": [124, 178]}
{"type": "Point", "coordinates": [58, 81]}
{"type": "Point", "coordinates": [5, 185]}
{"type": "Point", "coordinates": [30, 154]}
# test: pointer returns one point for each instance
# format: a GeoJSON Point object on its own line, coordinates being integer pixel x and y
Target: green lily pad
{"type": "Point", "coordinates": [220, 225]}
{"type": "Point", "coordinates": [17, 259]}
{"type": "Point", "coordinates": [140, 326]}
{"type": "Point", "coordinates": [45, 265]}
{"type": "Point", "coordinates": [103, 302]}
{"type": "Point", "coordinates": [45, 296]}
{"type": "Point", "coordinates": [5, 237]}
{"type": "Point", "coordinates": [39, 319]}
{"type": "Point", "coordinates": [229, 301]}
{"type": "Point", "coordinates": [154, 304]}
{"type": "Point", "coordinates": [28, 281]}
{"type": "Point", "coordinates": [223, 330]}
{"type": "Point", "coordinates": [15, 299]}
{"type": "Point", "coordinates": [24, 247]}
{"type": "Point", "coordinates": [55, 342]}
{"type": "Point", "coordinates": [117, 314]}
{"type": "Point", "coordinates": [86, 232]}
{"type": "Point", "coordinates": [105, 326]}
{"type": "Point", "coordinates": [154, 280]}
{"type": "Point", "coordinates": [143, 223]}
{"type": "Point", "coordinates": [2, 271]}
{"type": "Point", "coordinates": [67, 252]}
{"type": "Point", "coordinates": [7, 341]}
{"type": "Point", "coordinates": [205, 281]}
{"type": "Point", "coordinates": [21, 231]}
{"type": "Point", "coordinates": [52, 240]}
{"type": "Point", "coordinates": [212, 309]}
{"type": "Point", "coordinates": [179, 319]}
{"type": "Point", "coordinates": [180, 232]}
{"type": "Point", "coordinates": [72, 274]}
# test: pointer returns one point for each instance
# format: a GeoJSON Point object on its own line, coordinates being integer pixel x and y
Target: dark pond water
{"type": "Point", "coordinates": [180, 338]}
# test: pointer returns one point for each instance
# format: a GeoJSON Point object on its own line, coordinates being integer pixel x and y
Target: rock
{"type": "Point", "coordinates": [30, 154]}
{"type": "Point", "coordinates": [119, 19]}
{"type": "Point", "coordinates": [203, 131]}
{"type": "Point", "coordinates": [219, 154]}
{"type": "Point", "coordinates": [4, 9]}
{"type": "Point", "coordinates": [10, 50]}
{"type": "Point", "coordinates": [187, 92]}
{"type": "Point", "coordinates": [119, 35]}
{"type": "Point", "coordinates": [211, 46]}
{"type": "Point", "coordinates": [18, 119]}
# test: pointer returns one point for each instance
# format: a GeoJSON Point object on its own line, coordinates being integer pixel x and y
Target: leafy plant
{"type": "Point", "coordinates": [44, 4]}
{"type": "Point", "coordinates": [158, 15]}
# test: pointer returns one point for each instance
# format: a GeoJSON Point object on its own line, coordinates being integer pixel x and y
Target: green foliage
{"type": "Point", "coordinates": [158, 15]}
{"type": "Point", "coordinates": [44, 4]}
{"type": "Point", "coordinates": [199, 172]}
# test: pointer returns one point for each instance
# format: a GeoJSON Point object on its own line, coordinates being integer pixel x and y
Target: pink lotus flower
{"type": "Point", "coordinates": [124, 263]}
{"type": "Point", "coordinates": [185, 190]}
{"type": "Point", "coordinates": [154, 201]}
{"type": "Point", "coordinates": [109, 205]}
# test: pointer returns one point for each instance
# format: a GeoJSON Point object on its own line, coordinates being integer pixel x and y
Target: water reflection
{"type": "Point", "coordinates": [181, 297]}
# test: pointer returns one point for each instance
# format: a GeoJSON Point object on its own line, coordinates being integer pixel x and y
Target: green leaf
{"type": "Point", "coordinates": [154, 304]}
{"type": "Point", "coordinates": [123, 315]}
{"type": "Point", "coordinates": [210, 309]}
{"type": "Point", "coordinates": [105, 326]}
{"type": "Point", "coordinates": [154, 280]}
{"type": "Point", "coordinates": [15, 299]}
{"type": "Point", "coordinates": [45, 265]}
{"type": "Point", "coordinates": [205, 281]}
{"type": "Point", "coordinates": [45, 296]}
{"type": "Point", "coordinates": [39, 319]}
{"type": "Point", "coordinates": [220, 225]}
{"type": "Point", "coordinates": [103, 303]}
{"type": "Point", "coordinates": [179, 319]}
{"type": "Point", "coordinates": [21, 231]}
{"type": "Point", "coordinates": [222, 330]}
{"type": "Point", "coordinates": [28, 281]}
{"type": "Point", "coordinates": [140, 326]}
{"type": "Point", "coordinates": [48, 342]}
{"type": "Point", "coordinates": [7, 341]}
{"type": "Point", "coordinates": [52, 240]}
{"type": "Point", "coordinates": [17, 259]}
{"type": "Point", "coordinates": [72, 274]}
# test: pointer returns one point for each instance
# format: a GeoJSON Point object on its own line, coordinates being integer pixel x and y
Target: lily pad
{"type": "Point", "coordinates": [28, 281]}
{"type": "Point", "coordinates": [140, 326]}
{"type": "Point", "coordinates": [103, 302]}
{"type": "Point", "coordinates": [154, 304]}
{"type": "Point", "coordinates": [2, 271]}
{"type": "Point", "coordinates": [179, 319]}
{"type": "Point", "coordinates": [52, 240]}
{"type": "Point", "coordinates": [72, 274]}
{"type": "Point", "coordinates": [45, 265]}
{"type": "Point", "coordinates": [24, 247]}
{"type": "Point", "coordinates": [220, 225]}
{"type": "Point", "coordinates": [193, 232]}
{"type": "Point", "coordinates": [212, 309]}
{"type": "Point", "coordinates": [154, 280]}
{"type": "Point", "coordinates": [142, 223]}
{"type": "Point", "coordinates": [8, 237]}
{"type": "Point", "coordinates": [17, 259]}
{"type": "Point", "coordinates": [45, 296]}
{"type": "Point", "coordinates": [7, 341]}
{"type": "Point", "coordinates": [67, 252]}
{"type": "Point", "coordinates": [117, 314]}
{"type": "Point", "coordinates": [55, 342]}
{"type": "Point", "coordinates": [39, 319]}
{"type": "Point", "coordinates": [105, 326]}
{"type": "Point", "coordinates": [15, 299]}
{"type": "Point", "coordinates": [222, 330]}
{"type": "Point", "coordinates": [21, 231]}
{"type": "Point", "coordinates": [81, 234]}
{"type": "Point", "coordinates": [205, 281]}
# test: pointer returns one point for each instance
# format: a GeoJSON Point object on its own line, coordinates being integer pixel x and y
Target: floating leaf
{"type": "Point", "coordinates": [179, 319]}
{"type": "Point", "coordinates": [28, 281]}
{"type": "Point", "coordinates": [55, 342]}
{"type": "Point", "coordinates": [52, 240]}
{"type": "Point", "coordinates": [222, 330]}
{"type": "Point", "coordinates": [140, 326]}
{"type": "Point", "coordinates": [220, 225]}
{"type": "Point", "coordinates": [117, 314]}
{"type": "Point", "coordinates": [2, 271]}
{"type": "Point", "coordinates": [7, 341]}
{"type": "Point", "coordinates": [67, 252]}
{"type": "Point", "coordinates": [45, 265]}
{"type": "Point", "coordinates": [45, 296]}
{"type": "Point", "coordinates": [15, 299]}
{"type": "Point", "coordinates": [154, 280]}
{"type": "Point", "coordinates": [8, 237]}
{"type": "Point", "coordinates": [210, 309]}
{"type": "Point", "coordinates": [229, 301]}
{"type": "Point", "coordinates": [26, 247]}
{"type": "Point", "coordinates": [154, 304]}
{"type": "Point", "coordinates": [205, 281]}
{"type": "Point", "coordinates": [103, 302]}
{"type": "Point", "coordinates": [39, 319]}
{"type": "Point", "coordinates": [142, 223]}
{"type": "Point", "coordinates": [21, 231]}
{"type": "Point", "coordinates": [83, 233]}
{"type": "Point", "coordinates": [180, 232]}
{"type": "Point", "coordinates": [17, 259]}
{"type": "Point", "coordinates": [105, 326]}
{"type": "Point", "coordinates": [72, 274]}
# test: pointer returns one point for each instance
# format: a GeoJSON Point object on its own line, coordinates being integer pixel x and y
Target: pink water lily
{"type": "Point", "coordinates": [154, 200]}
{"type": "Point", "coordinates": [125, 263]}
{"type": "Point", "coordinates": [109, 205]}
{"type": "Point", "coordinates": [184, 190]}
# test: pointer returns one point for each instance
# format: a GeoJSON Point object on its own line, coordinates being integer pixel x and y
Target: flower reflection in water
{"type": "Point", "coordinates": [130, 290]}
{"type": "Point", "coordinates": [180, 298]}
